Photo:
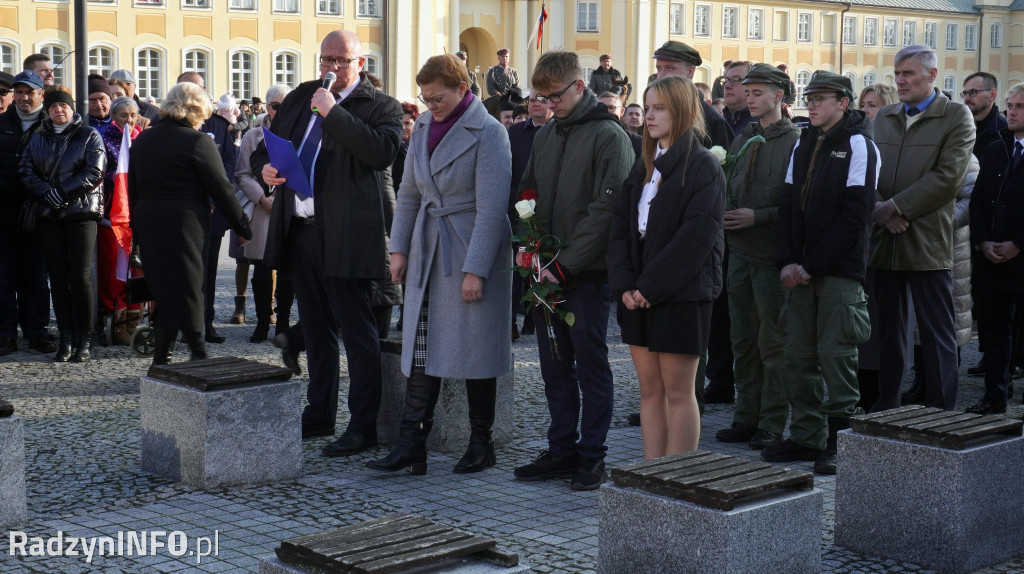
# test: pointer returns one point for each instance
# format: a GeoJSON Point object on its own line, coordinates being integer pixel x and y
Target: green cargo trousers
{"type": "Point", "coordinates": [824, 322]}
{"type": "Point", "coordinates": [756, 297]}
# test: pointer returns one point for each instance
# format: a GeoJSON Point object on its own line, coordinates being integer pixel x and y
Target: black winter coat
{"type": "Point", "coordinates": [997, 214]}
{"type": "Point", "coordinates": [680, 257]}
{"type": "Point", "coordinates": [174, 173]}
{"type": "Point", "coordinates": [12, 141]}
{"type": "Point", "coordinates": [82, 156]}
{"type": "Point", "coordinates": [360, 139]}
{"type": "Point", "coordinates": [828, 233]}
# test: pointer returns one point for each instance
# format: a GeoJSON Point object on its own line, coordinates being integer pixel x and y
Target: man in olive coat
{"type": "Point", "coordinates": [333, 242]}
{"type": "Point", "coordinates": [925, 142]}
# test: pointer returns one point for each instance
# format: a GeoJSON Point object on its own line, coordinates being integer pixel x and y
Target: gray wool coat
{"type": "Point", "coordinates": [451, 219]}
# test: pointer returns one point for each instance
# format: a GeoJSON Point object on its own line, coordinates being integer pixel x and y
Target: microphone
{"type": "Point", "coordinates": [329, 79]}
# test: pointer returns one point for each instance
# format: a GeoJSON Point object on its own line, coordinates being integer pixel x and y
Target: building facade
{"type": "Point", "coordinates": [243, 46]}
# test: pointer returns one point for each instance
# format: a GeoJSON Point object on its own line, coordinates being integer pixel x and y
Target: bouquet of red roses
{"type": "Point", "coordinates": [538, 251]}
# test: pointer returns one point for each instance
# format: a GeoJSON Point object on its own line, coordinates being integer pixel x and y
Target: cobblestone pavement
{"type": "Point", "coordinates": [84, 476]}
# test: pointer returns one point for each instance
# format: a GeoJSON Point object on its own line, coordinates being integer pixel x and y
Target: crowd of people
{"type": "Point", "coordinates": [799, 264]}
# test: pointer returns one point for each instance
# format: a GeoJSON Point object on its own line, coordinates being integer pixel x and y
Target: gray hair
{"type": "Point", "coordinates": [124, 101]}
{"type": "Point", "coordinates": [925, 56]}
{"type": "Point", "coordinates": [277, 91]}
{"type": "Point", "coordinates": [1015, 90]}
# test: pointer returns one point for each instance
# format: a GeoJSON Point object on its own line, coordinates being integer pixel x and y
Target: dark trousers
{"type": "Point", "coordinates": [720, 358]}
{"type": "Point", "coordinates": [210, 280]}
{"type": "Point", "coordinates": [24, 291]}
{"type": "Point", "coordinates": [329, 307]}
{"type": "Point", "coordinates": [69, 248]}
{"type": "Point", "coordinates": [933, 304]}
{"type": "Point", "coordinates": [579, 369]}
{"type": "Point", "coordinates": [996, 334]}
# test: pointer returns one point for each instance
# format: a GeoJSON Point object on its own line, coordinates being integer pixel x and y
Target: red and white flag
{"type": "Point", "coordinates": [539, 32]}
{"type": "Point", "coordinates": [119, 216]}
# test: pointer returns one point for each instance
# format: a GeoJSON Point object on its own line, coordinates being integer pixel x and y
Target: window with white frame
{"type": "Point", "coordinates": [870, 31]}
{"type": "Point", "coordinates": [949, 84]}
{"type": "Point", "coordinates": [371, 66]}
{"type": "Point", "coordinates": [702, 20]}
{"type": "Point", "coordinates": [970, 37]}
{"type": "Point", "coordinates": [101, 61]}
{"type": "Point", "coordinates": [803, 77]}
{"type": "Point", "coordinates": [995, 35]}
{"type": "Point", "coordinates": [755, 24]}
{"type": "Point", "coordinates": [148, 73]}
{"type": "Point", "coordinates": [287, 6]}
{"type": "Point", "coordinates": [868, 79]}
{"type": "Point", "coordinates": [56, 54]}
{"type": "Point", "coordinates": [8, 57]}
{"type": "Point", "coordinates": [850, 30]}
{"type": "Point", "coordinates": [286, 69]}
{"type": "Point", "coordinates": [587, 15]}
{"type": "Point", "coordinates": [102, 1]}
{"type": "Point", "coordinates": [367, 9]}
{"type": "Point", "coordinates": [729, 16]}
{"type": "Point", "coordinates": [149, 2]}
{"type": "Point", "coordinates": [852, 77]}
{"type": "Point", "coordinates": [243, 71]}
{"type": "Point", "coordinates": [803, 27]}
{"type": "Point", "coordinates": [931, 33]}
{"type": "Point", "coordinates": [889, 32]}
{"type": "Point", "coordinates": [195, 3]}
{"type": "Point", "coordinates": [587, 72]}
{"type": "Point", "coordinates": [329, 7]}
{"type": "Point", "coordinates": [952, 31]}
{"type": "Point", "coordinates": [198, 61]}
{"type": "Point", "coordinates": [242, 4]}
{"type": "Point", "coordinates": [675, 18]}
{"type": "Point", "coordinates": [909, 32]}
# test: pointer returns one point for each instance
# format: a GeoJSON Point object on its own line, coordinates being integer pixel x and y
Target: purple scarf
{"type": "Point", "coordinates": [439, 129]}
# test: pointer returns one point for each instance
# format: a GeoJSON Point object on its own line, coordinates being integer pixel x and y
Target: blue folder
{"type": "Point", "coordinates": [284, 157]}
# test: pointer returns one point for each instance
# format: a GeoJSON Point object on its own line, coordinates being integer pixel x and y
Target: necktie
{"type": "Point", "coordinates": [1018, 150]}
{"type": "Point", "coordinates": [913, 111]}
{"type": "Point", "coordinates": [310, 145]}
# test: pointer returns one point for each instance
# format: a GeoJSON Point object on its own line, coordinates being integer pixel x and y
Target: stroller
{"type": "Point", "coordinates": [143, 340]}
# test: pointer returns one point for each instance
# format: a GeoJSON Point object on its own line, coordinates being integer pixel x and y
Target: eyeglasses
{"type": "Point", "coordinates": [815, 101]}
{"type": "Point", "coordinates": [435, 101]}
{"type": "Point", "coordinates": [340, 62]}
{"type": "Point", "coordinates": [734, 80]}
{"type": "Point", "coordinates": [971, 93]}
{"type": "Point", "coordinates": [554, 98]}
{"type": "Point", "coordinates": [274, 105]}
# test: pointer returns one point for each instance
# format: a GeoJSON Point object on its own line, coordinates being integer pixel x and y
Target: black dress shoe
{"type": "Point", "coordinates": [313, 431]}
{"type": "Point", "coordinates": [212, 336]}
{"type": "Point", "coordinates": [349, 443]}
{"type": "Point", "coordinates": [976, 371]}
{"type": "Point", "coordinates": [987, 407]}
{"type": "Point", "coordinates": [42, 343]}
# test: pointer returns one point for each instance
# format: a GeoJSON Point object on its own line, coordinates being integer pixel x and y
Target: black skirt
{"type": "Point", "coordinates": [680, 328]}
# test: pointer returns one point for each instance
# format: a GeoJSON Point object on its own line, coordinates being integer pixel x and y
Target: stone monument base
{"type": "Point", "coordinates": [13, 501]}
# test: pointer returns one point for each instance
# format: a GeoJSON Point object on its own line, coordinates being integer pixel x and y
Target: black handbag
{"type": "Point", "coordinates": [31, 211]}
{"type": "Point", "coordinates": [88, 207]}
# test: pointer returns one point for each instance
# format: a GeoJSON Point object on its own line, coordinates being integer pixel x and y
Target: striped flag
{"type": "Point", "coordinates": [539, 32]}
{"type": "Point", "coordinates": [119, 216]}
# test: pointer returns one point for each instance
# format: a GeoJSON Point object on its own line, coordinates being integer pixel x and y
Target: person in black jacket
{"type": "Point", "coordinates": [604, 78]}
{"type": "Point", "coordinates": [822, 235]}
{"type": "Point", "coordinates": [672, 203]}
{"type": "Point", "coordinates": [62, 164]}
{"type": "Point", "coordinates": [24, 292]}
{"type": "Point", "coordinates": [333, 243]}
{"type": "Point", "coordinates": [997, 232]}
{"type": "Point", "coordinates": [174, 173]}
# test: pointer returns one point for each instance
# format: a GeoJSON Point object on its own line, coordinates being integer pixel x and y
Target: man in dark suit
{"type": "Point", "coordinates": [333, 242]}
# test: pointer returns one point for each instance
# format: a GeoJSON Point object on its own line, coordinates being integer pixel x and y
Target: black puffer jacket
{"type": "Point", "coordinates": [82, 160]}
{"type": "Point", "coordinates": [13, 140]}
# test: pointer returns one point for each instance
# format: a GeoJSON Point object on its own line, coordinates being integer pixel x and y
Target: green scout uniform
{"type": "Point", "coordinates": [756, 294]}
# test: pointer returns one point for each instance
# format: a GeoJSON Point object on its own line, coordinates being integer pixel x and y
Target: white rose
{"type": "Point", "coordinates": [719, 153]}
{"type": "Point", "coordinates": [525, 208]}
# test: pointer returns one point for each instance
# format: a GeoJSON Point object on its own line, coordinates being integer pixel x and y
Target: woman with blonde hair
{"type": "Point", "coordinates": [876, 97]}
{"type": "Point", "coordinates": [665, 262]}
{"type": "Point", "coordinates": [174, 172]}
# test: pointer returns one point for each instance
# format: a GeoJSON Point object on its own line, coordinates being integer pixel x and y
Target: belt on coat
{"type": "Point", "coordinates": [444, 231]}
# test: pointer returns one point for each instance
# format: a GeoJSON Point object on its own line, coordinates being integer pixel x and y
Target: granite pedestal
{"type": "Point", "coordinates": [270, 564]}
{"type": "Point", "coordinates": [641, 532]}
{"type": "Point", "coordinates": [951, 510]}
{"type": "Point", "coordinates": [243, 435]}
{"type": "Point", "coordinates": [451, 416]}
{"type": "Point", "coordinates": [13, 502]}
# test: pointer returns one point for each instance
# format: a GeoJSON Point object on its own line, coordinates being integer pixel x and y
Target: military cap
{"type": "Point", "coordinates": [825, 81]}
{"type": "Point", "coordinates": [768, 74]}
{"type": "Point", "coordinates": [678, 52]}
{"type": "Point", "coordinates": [6, 79]}
{"type": "Point", "coordinates": [605, 57]}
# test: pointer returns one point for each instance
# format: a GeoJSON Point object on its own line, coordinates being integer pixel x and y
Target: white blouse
{"type": "Point", "coordinates": [650, 190]}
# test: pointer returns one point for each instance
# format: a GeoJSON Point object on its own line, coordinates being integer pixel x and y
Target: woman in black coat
{"type": "Point", "coordinates": [665, 262]}
{"type": "Point", "coordinates": [62, 166]}
{"type": "Point", "coordinates": [174, 174]}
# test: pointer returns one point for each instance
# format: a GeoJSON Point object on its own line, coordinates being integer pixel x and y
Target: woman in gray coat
{"type": "Point", "coordinates": [450, 246]}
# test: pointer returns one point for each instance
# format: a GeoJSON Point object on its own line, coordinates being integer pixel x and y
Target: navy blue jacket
{"type": "Point", "coordinates": [988, 131]}
{"type": "Point", "coordinates": [997, 214]}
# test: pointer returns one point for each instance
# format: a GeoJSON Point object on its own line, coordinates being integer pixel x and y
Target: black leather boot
{"type": "Point", "coordinates": [196, 345]}
{"type": "Point", "coordinates": [481, 394]}
{"type": "Point", "coordinates": [410, 452]}
{"type": "Point", "coordinates": [83, 352]}
{"type": "Point", "coordinates": [262, 295]}
{"type": "Point", "coordinates": [163, 340]}
{"type": "Point", "coordinates": [64, 347]}
{"type": "Point", "coordinates": [826, 461]}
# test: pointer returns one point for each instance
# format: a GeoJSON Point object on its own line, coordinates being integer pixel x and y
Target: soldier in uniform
{"type": "Point", "coordinates": [502, 78]}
